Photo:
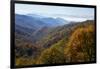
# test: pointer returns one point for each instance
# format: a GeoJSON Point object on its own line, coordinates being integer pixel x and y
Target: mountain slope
{"type": "Point", "coordinates": [34, 35]}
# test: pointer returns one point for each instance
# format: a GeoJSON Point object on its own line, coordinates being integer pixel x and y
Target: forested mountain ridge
{"type": "Point", "coordinates": [35, 45]}
{"type": "Point", "coordinates": [65, 51]}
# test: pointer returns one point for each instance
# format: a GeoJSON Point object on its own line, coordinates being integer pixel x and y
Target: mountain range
{"type": "Point", "coordinates": [39, 37]}
{"type": "Point", "coordinates": [33, 25]}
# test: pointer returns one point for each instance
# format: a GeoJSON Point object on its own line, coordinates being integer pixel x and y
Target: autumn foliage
{"type": "Point", "coordinates": [81, 46]}
{"type": "Point", "coordinates": [70, 43]}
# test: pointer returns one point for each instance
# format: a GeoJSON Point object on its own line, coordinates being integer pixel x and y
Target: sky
{"type": "Point", "coordinates": [67, 13]}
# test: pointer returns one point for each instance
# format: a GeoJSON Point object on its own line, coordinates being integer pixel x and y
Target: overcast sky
{"type": "Point", "coordinates": [68, 13]}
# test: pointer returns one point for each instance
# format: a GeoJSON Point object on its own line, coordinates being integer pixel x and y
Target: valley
{"type": "Point", "coordinates": [46, 40]}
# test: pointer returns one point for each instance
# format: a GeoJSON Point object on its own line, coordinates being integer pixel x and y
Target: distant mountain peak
{"type": "Point", "coordinates": [36, 15]}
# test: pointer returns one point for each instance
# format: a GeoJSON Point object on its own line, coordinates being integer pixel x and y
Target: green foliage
{"type": "Point", "coordinates": [26, 55]}
{"type": "Point", "coordinates": [69, 43]}
{"type": "Point", "coordinates": [22, 61]}
{"type": "Point", "coordinates": [50, 56]}
{"type": "Point", "coordinates": [54, 54]}
{"type": "Point", "coordinates": [81, 46]}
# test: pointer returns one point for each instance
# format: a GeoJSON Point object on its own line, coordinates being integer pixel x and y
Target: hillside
{"type": "Point", "coordinates": [62, 50]}
{"type": "Point", "coordinates": [34, 42]}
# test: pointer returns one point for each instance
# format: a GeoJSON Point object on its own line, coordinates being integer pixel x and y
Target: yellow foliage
{"type": "Point", "coordinates": [22, 61]}
{"type": "Point", "coordinates": [81, 45]}
{"type": "Point", "coordinates": [51, 56]}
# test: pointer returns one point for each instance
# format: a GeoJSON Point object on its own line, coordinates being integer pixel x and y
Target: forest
{"type": "Point", "coordinates": [58, 43]}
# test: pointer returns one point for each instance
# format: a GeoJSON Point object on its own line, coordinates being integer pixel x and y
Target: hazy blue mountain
{"type": "Point", "coordinates": [49, 21]}
{"type": "Point", "coordinates": [36, 16]}
{"type": "Point", "coordinates": [34, 26]}
{"type": "Point", "coordinates": [37, 21]}
{"type": "Point", "coordinates": [53, 22]}
{"type": "Point", "coordinates": [34, 22]}
{"type": "Point", "coordinates": [29, 22]}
